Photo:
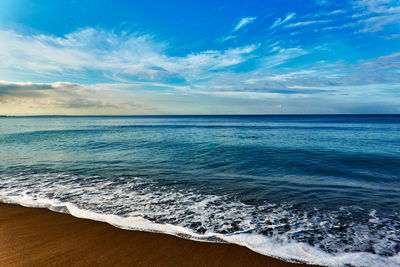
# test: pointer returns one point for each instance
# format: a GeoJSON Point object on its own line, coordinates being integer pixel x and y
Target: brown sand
{"type": "Point", "coordinates": [39, 237]}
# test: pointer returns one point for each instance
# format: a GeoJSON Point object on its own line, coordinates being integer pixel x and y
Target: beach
{"type": "Point", "coordinates": [40, 237]}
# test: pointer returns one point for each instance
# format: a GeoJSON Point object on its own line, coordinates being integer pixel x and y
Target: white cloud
{"type": "Point", "coordinates": [149, 74]}
{"type": "Point", "coordinates": [377, 15]}
{"type": "Point", "coordinates": [323, 2]}
{"type": "Point", "coordinates": [337, 11]}
{"type": "Point", "coordinates": [243, 22]}
{"type": "Point", "coordinates": [378, 23]}
{"type": "Point", "coordinates": [280, 21]}
{"type": "Point", "coordinates": [392, 36]}
{"type": "Point", "coordinates": [283, 56]}
{"type": "Point", "coordinates": [229, 37]}
{"type": "Point", "coordinates": [305, 23]}
{"type": "Point", "coordinates": [241, 95]}
{"type": "Point", "coordinates": [281, 77]}
{"type": "Point", "coordinates": [378, 6]}
{"type": "Point", "coordinates": [120, 57]}
{"type": "Point", "coordinates": [342, 26]}
{"type": "Point", "coordinates": [370, 16]}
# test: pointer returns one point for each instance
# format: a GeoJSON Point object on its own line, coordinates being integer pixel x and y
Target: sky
{"type": "Point", "coordinates": [110, 57]}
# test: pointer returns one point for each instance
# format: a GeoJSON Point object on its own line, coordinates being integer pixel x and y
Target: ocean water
{"type": "Point", "coordinates": [316, 189]}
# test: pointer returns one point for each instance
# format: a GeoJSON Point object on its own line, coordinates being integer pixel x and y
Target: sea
{"type": "Point", "coordinates": [318, 189]}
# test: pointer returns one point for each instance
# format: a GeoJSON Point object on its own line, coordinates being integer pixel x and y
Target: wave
{"type": "Point", "coordinates": [268, 229]}
{"type": "Point", "coordinates": [285, 250]}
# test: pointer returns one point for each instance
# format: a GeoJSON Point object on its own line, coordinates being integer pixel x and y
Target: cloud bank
{"type": "Point", "coordinates": [24, 98]}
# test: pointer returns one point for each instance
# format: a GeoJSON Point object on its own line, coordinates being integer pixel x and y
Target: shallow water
{"type": "Point", "coordinates": [320, 189]}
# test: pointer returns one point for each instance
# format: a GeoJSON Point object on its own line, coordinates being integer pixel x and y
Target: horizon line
{"type": "Point", "coordinates": [194, 115]}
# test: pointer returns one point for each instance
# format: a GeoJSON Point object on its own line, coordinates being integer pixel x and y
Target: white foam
{"type": "Point", "coordinates": [140, 205]}
{"type": "Point", "coordinates": [286, 250]}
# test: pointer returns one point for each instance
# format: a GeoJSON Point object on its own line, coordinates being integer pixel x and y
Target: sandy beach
{"type": "Point", "coordinates": [39, 237]}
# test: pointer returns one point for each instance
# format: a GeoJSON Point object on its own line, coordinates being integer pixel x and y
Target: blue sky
{"type": "Point", "coordinates": [199, 57]}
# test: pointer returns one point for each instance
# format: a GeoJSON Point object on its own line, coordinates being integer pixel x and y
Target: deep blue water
{"type": "Point", "coordinates": [330, 184]}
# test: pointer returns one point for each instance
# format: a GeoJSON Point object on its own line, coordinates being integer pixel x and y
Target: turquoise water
{"type": "Point", "coordinates": [319, 189]}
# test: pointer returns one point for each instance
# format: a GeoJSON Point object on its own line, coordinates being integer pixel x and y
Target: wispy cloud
{"type": "Point", "coordinates": [118, 57]}
{"type": "Point", "coordinates": [378, 6]}
{"type": "Point", "coordinates": [136, 60]}
{"type": "Point", "coordinates": [378, 23]}
{"type": "Point", "coordinates": [323, 2]}
{"type": "Point", "coordinates": [305, 23]}
{"type": "Point", "coordinates": [376, 15]}
{"type": "Point", "coordinates": [127, 69]}
{"type": "Point", "coordinates": [335, 12]}
{"type": "Point", "coordinates": [229, 37]}
{"type": "Point", "coordinates": [243, 22]}
{"type": "Point", "coordinates": [281, 77]}
{"type": "Point", "coordinates": [366, 16]}
{"type": "Point", "coordinates": [282, 56]}
{"type": "Point", "coordinates": [392, 36]}
{"type": "Point", "coordinates": [280, 21]}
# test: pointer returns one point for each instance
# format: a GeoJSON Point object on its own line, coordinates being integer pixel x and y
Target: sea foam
{"type": "Point", "coordinates": [144, 205]}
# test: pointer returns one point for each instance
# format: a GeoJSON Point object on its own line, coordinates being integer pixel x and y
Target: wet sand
{"type": "Point", "coordinates": [39, 237]}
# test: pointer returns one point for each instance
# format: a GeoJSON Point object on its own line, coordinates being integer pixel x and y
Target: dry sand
{"type": "Point", "coordinates": [39, 237]}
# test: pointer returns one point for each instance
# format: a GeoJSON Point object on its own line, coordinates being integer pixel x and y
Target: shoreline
{"type": "Point", "coordinates": [37, 236]}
